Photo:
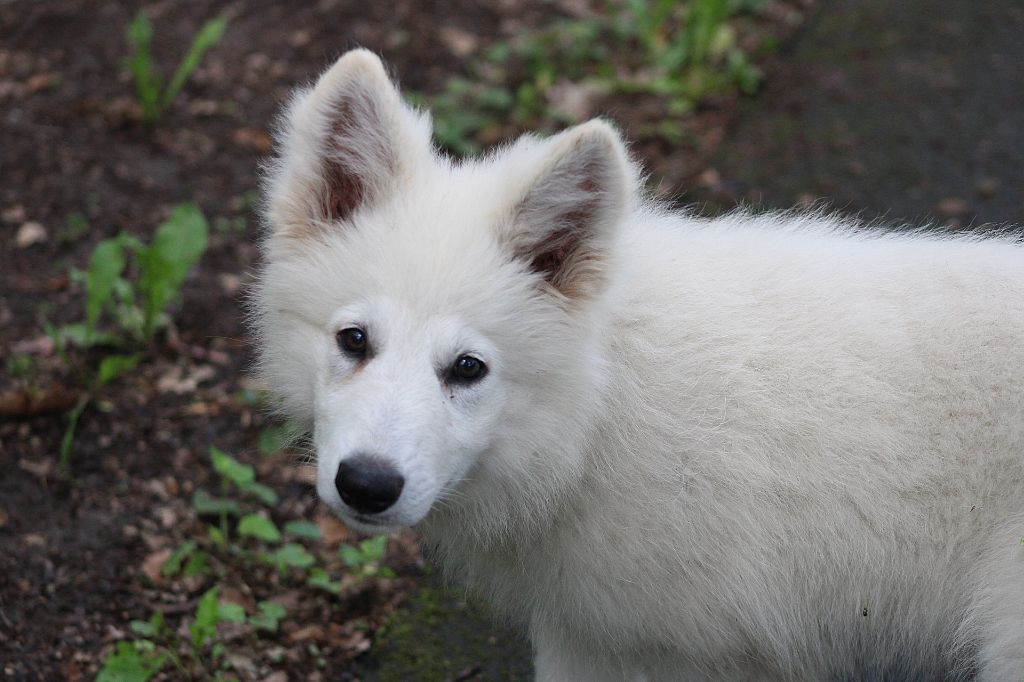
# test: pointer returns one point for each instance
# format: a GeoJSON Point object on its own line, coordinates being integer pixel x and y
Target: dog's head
{"type": "Point", "coordinates": [436, 325]}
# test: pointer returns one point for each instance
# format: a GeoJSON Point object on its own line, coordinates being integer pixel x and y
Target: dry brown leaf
{"type": "Point", "coordinates": [181, 381]}
{"type": "Point", "coordinates": [253, 138]}
{"type": "Point", "coordinates": [153, 564]}
{"type": "Point", "coordinates": [334, 532]}
{"type": "Point", "coordinates": [307, 633]}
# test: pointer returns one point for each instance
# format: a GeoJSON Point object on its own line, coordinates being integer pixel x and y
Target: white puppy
{"type": "Point", "coordinates": [778, 447]}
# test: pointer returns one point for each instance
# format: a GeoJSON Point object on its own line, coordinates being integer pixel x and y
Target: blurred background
{"type": "Point", "coordinates": [155, 523]}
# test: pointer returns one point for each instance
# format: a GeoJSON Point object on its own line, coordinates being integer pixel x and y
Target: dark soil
{"type": "Point", "coordinates": [904, 111]}
{"type": "Point", "coordinates": [898, 109]}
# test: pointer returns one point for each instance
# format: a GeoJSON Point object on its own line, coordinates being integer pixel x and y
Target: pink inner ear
{"type": "Point", "coordinates": [345, 190]}
{"type": "Point", "coordinates": [356, 155]}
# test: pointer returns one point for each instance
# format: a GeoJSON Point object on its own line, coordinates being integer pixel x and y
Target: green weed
{"type": "Point", "coordinates": [194, 655]}
{"type": "Point", "coordinates": [245, 536]}
{"type": "Point", "coordinates": [20, 365]}
{"type": "Point", "coordinates": [154, 97]}
{"type": "Point", "coordinates": [136, 304]}
{"type": "Point", "coordinates": [681, 52]}
{"type": "Point", "coordinates": [131, 285]}
{"type": "Point", "coordinates": [364, 559]}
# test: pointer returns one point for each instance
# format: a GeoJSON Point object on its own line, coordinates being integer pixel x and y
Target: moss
{"type": "Point", "coordinates": [436, 635]}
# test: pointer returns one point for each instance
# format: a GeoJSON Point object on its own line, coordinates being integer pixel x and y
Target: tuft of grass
{"type": "Point", "coordinates": [153, 96]}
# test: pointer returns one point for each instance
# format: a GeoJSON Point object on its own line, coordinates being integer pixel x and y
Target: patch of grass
{"type": "Point", "coordinates": [154, 97]}
{"type": "Point", "coordinates": [680, 51]}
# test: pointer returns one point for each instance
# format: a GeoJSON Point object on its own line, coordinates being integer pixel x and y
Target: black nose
{"type": "Point", "coordinates": [368, 484]}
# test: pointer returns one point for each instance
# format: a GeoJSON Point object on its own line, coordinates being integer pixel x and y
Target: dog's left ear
{"type": "Point", "coordinates": [564, 221]}
{"type": "Point", "coordinates": [344, 145]}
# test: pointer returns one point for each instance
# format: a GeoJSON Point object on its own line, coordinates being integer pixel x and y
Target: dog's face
{"type": "Point", "coordinates": [434, 324]}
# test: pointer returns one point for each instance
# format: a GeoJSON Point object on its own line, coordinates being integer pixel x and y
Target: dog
{"type": "Point", "coordinates": [758, 447]}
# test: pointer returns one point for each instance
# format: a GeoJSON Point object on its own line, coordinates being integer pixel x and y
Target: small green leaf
{"type": "Point", "coordinates": [105, 266]}
{"type": "Point", "coordinates": [373, 548]}
{"type": "Point", "coordinates": [231, 613]}
{"type": "Point", "coordinates": [217, 536]}
{"type": "Point", "coordinates": [206, 505]}
{"type": "Point", "coordinates": [198, 564]}
{"type": "Point", "coordinates": [269, 615]}
{"type": "Point", "coordinates": [262, 493]}
{"type": "Point", "coordinates": [260, 527]}
{"type": "Point", "coordinates": [172, 566]}
{"type": "Point", "coordinates": [230, 468]}
{"type": "Point", "coordinates": [320, 579]}
{"type": "Point", "coordinates": [126, 664]}
{"type": "Point", "coordinates": [177, 244]}
{"type": "Point", "coordinates": [291, 555]}
{"type": "Point", "coordinates": [142, 628]}
{"type": "Point", "coordinates": [351, 556]}
{"type": "Point", "coordinates": [207, 37]}
{"type": "Point", "coordinates": [303, 529]}
{"type": "Point", "coordinates": [113, 366]}
{"type": "Point", "coordinates": [204, 627]}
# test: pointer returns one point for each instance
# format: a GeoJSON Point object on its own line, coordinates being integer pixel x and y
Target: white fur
{"type": "Point", "coordinates": [777, 447]}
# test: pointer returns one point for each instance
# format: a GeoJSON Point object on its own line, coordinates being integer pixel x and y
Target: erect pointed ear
{"type": "Point", "coordinates": [344, 144]}
{"type": "Point", "coordinates": [569, 207]}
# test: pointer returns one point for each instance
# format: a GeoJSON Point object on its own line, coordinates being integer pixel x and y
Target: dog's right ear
{"type": "Point", "coordinates": [344, 145]}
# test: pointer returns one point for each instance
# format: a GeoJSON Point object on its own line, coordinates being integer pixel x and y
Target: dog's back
{"type": "Point", "coordinates": [809, 463]}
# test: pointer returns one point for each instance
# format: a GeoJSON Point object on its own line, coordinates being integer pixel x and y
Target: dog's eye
{"type": "Point", "coordinates": [467, 369]}
{"type": "Point", "coordinates": [352, 341]}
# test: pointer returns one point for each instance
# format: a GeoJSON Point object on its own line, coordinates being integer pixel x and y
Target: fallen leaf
{"type": "Point", "coordinates": [40, 81]}
{"type": "Point", "coordinates": [332, 531]}
{"type": "Point", "coordinates": [30, 233]}
{"type": "Point", "coordinates": [31, 400]}
{"type": "Point", "coordinates": [40, 468]}
{"type": "Point", "coordinates": [13, 214]}
{"type": "Point", "coordinates": [279, 676]}
{"type": "Point", "coordinates": [34, 540]}
{"type": "Point", "coordinates": [987, 187]}
{"type": "Point", "coordinates": [180, 381]}
{"type": "Point", "coordinates": [953, 207]}
{"type": "Point", "coordinates": [252, 138]}
{"type": "Point", "coordinates": [153, 564]}
{"type": "Point", "coordinates": [307, 633]}
{"type": "Point", "coordinates": [460, 43]}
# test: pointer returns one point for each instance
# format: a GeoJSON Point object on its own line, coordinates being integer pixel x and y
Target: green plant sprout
{"type": "Point", "coordinates": [153, 97]}
{"type": "Point", "coordinates": [245, 536]}
{"type": "Point", "coordinates": [136, 303]}
{"type": "Point", "coordinates": [680, 51]}
{"type": "Point", "coordinates": [138, 660]}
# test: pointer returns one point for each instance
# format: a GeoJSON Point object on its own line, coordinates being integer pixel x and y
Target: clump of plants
{"type": "Point", "coordinates": [679, 51]}
{"type": "Point", "coordinates": [153, 95]}
{"type": "Point", "coordinates": [129, 286]}
{"type": "Point", "coordinates": [241, 535]}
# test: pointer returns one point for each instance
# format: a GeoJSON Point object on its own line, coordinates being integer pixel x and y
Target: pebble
{"type": "Point", "coordinates": [30, 233]}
